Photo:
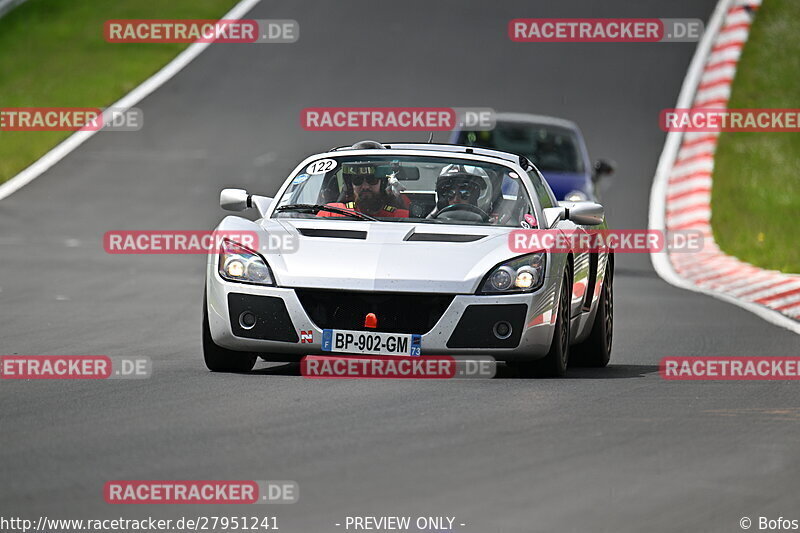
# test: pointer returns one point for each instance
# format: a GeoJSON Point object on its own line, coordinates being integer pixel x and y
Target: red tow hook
{"type": "Point", "coordinates": [371, 321]}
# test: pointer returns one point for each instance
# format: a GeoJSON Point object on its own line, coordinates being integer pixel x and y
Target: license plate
{"type": "Point", "coordinates": [338, 340]}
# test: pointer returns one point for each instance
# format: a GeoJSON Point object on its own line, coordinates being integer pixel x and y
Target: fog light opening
{"type": "Point", "coordinates": [247, 320]}
{"type": "Point", "coordinates": [502, 330]}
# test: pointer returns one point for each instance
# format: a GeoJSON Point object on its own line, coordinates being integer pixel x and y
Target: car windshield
{"type": "Point", "coordinates": [550, 148]}
{"type": "Point", "coordinates": [435, 190]}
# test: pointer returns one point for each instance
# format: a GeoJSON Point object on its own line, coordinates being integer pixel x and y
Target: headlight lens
{"type": "Point", "coordinates": [239, 263]}
{"type": "Point", "coordinates": [523, 274]}
{"type": "Point", "coordinates": [257, 271]}
{"type": "Point", "coordinates": [576, 196]}
{"type": "Point", "coordinates": [501, 279]}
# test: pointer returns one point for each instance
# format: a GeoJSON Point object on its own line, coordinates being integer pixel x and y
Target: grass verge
{"type": "Point", "coordinates": [756, 187]}
{"type": "Point", "coordinates": [53, 54]}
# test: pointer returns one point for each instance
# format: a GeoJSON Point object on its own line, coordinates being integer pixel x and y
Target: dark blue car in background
{"type": "Point", "coordinates": [554, 145]}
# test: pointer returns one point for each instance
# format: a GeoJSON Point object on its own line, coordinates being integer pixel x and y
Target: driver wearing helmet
{"type": "Point", "coordinates": [368, 183]}
{"type": "Point", "coordinates": [457, 186]}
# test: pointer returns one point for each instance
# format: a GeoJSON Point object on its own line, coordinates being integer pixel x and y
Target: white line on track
{"type": "Point", "coordinates": [129, 100]}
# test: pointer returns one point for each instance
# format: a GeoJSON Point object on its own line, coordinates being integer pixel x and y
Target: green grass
{"type": "Point", "coordinates": [53, 54]}
{"type": "Point", "coordinates": [756, 187]}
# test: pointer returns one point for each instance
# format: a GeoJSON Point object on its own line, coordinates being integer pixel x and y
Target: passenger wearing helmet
{"type": "Point", "coordinates": [458, 189]}
{"type": "Point", "coordinates": [368, 183]}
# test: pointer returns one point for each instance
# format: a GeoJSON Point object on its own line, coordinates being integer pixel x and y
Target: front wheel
{"type": "Point", "coordinates": [219, 359]}
{"type": "Point", "coordinates": [595, 351]}
{"type": "Point", "coordinates": [554, 364]}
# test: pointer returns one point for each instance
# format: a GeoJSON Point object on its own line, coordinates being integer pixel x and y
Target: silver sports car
{"type": "Point", "coordinates": [406, 249]}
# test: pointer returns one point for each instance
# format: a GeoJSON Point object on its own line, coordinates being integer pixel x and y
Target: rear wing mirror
{"type": "Point", "coordinates": [583, 213]}
{"type": "Point", "coordinates": [239, 200]}
{"type": "Point", "coordinates": [603, 167]}
{"type": "Point", "coordinates": [234, 199]}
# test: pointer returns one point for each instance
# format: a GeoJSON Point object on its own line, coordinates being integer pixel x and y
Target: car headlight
{"type": "Point", "coordinates": [239, 263]}
{"type": "Point", "coordinates": [522, 274]}
{"type": "Point", "coordinates": [576, 196]}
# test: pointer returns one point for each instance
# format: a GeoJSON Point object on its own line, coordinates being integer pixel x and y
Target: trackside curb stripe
{"type": "Point", "coordinates": [719, 273]}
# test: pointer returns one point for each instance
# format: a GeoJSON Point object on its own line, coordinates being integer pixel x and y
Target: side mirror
{"type": "Point", "coordinates": [586, 213]}
{"type": "Point", "coordinates": [603, 167]}
{"type": "Point", "coordinates": [234, 199]}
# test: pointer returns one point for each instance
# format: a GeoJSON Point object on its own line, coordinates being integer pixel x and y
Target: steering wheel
{"type": "Point", "coordinates": [464, 207]}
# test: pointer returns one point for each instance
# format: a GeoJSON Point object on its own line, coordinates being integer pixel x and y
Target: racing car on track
{"type": "Point", "coordinates": [404, 250]}
{"type": "Point", "coordinates": [555, 145]}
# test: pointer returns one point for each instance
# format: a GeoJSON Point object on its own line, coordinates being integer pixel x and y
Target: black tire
{"type": "Point", "coordinates": [595, 351]}
{"type": "Point", "coordinates": [219, 359]}
{"type": "Point", "coordinates": [554, 364]}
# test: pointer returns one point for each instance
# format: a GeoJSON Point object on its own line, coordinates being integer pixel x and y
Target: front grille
{"type": "Point", "coordinates": [396, 312]}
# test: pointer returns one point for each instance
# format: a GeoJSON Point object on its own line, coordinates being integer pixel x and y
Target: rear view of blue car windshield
{"type": "Point", "coordinates": [550, 148]}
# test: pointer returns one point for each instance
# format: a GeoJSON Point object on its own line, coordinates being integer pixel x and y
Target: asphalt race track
{"type": "Point", "coordinates": [617, 449]}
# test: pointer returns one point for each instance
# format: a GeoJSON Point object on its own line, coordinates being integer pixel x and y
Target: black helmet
{"type": "Point", "coordinates": [368, 145]}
